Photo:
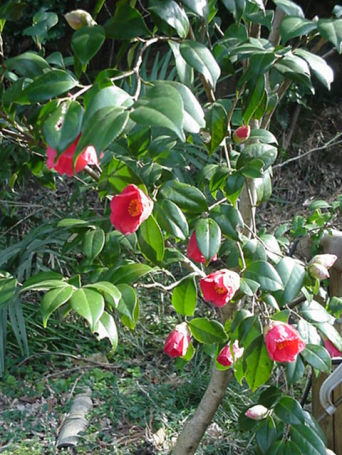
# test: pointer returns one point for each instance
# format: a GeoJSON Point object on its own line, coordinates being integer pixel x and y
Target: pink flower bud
{"type": "Point", "coordinates": [318, 271]}
{"type": "Point", "coordinates": [327, 260]}
{"type": "Point", "coordinates": [241, 134]}
{"type": "Point", "coordinates": [219, 287]}
{"type": "Point", "coordinates": [177, 343]}
{"type": "Point", "coordinates": [226, 357]}
{"type": "Point", "coordinates": [79, 18]}
{"type": "Point", "coordinates": [257, 412]}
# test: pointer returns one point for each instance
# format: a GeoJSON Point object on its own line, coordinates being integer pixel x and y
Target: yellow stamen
{"type": "Point", "coordinates": [283, 344]}
{"type": "Point", "coordinates": [134, 207]}
{"type": "Point", "coordinates": [219, 289]}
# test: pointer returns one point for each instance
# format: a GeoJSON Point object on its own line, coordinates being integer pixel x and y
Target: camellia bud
{"type": "Point", "coordinates": [319, 265]}
{"type": "Point", "coordinates": [329, 452]}
{"type": "Point", "coordinates": [241, 134]}
{"type": "Point", "coordinates": [257, 412]}
{"type": "Point", "coordinates": [79, 18]}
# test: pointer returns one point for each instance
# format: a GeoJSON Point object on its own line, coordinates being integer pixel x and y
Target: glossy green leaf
{"type": "Point", "coordinates": [229, 219]}
{"type": "Point", "coordinates": [265, 152]}
{"type": "Point", "coordinates": [63, 126]}
{"type": "Point", "coordinates": [102, 128]}
{"type": "Point", "coordinates": [43, 285]}
{"type": "Point", "coordinates": [172, 219]}
{"type": "Point", "coordinates": [318, 66]}
{"type": "Point", "coordinates": [294, 26]}
{"type": "Point", "coordinates": [295, 370]}
{"type": "Point", "coordinates": [315, 312]}
{"type": "Point", "coordinates": [207, 331]}
{"type": "Point", "coordinates": [201, 7]}
{"type": "Point", "coordinates": [53, 300]}
{"type": "Point", "coordinates": [86, 42]}
{"type": "Point", "coordinates": [260, 63]}
{"type": "Point", "coordinates": [289, 411]}
{"type": "Point", "coordinates": [161, 106]}
{"type": "Point", "coordinates": [295, 69]}
{"type": "Point", "coordinates": [187, 197]}
{"type": "Point", "coordinates": [184, 297]}
{"type": "Point", "coordinates": [126, 23]}
{"type": "Point", "coordinates": [335, 306]}
{"type": "Point", "coordinates": [193, 115]}
{"type": "Point", "coordinates": [110, 292]}
{"type": "Point", "coordinates": [254, 250]}
{"type": "Point", "coordinates": [216, 120]}
{"type": "Point", "coordinates": [289, 7]}
{"type": "Point", "coordinates": [93, 243]}
{"type": "Point", "coordinates": [318, 357]}
{"type": "Point", "coordinates": [170, 12]}
{"type": "Point", "coordinates": [208, 235]}
{"type": "Point", "coordinates": [185, 72]}
{"type": "Point", "coordinates": [72, 222]}
{"type": "Point", "coordinates": [106, 328]}
{"type": "Point", "coordinates": [128, 273]}
{"type": "Point", "coordinates": [28, 64]}
{"type": "Point", "coordinates": [47, 86]}
{"type": "Point", "coordinates": [116, 176]}
{"type": "Point", "coordinates": [270, 396]}
{"type": "Point", "coordinates": [236, 7]}
{"type": "Point", "coordinates": [266, 434]}
{"type": "Point", "coordinates": [151, 241]}
{"type": "Point", "coordinates": [201, 59]}
{"type": "Point", "coordinates": [265, 274]}
{"type": "Point", "coordinates": [128, 306]}
{"type": "Point", "coordinates": [331, 29]}
{"type": "Point", "coordinates": [263, 187]}
{"type": "Point", "coordinates": [249, 287]}
{"type": "Point", "coordinates": [251, 168]}
{"type": "Point", "coordinates": [292, 274]}
{"type": "Point", "coordinates": [263, 136]}
{"type": "Point", "coordinates": [89, 304]}
{"type": "Point", "coordinates": [307, 440]}
{"type": "Point", "coordinates": [308, 332]}
{"type": "Point", "coordinates": [233, 187]}
{"type": "Point", "coordinates": [284, 448]}
{"type": "Point", "coordinates": [256, 363]}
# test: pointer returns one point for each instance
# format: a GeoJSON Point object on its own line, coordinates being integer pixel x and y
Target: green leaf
{"type": "Point", "coordinates": [170, 12]}
{"type": "Point", "coordinates": [260, 63]}
{"type": "Point", "coordinates": [72, 222]}
{"type": "Point", "coordinates": [295, 370]}
{"type": "Point", "coordinates": [43, 285]}
{"type": "Point", "coordinates": [28, 64]}
{"type": "Point", "coordinates": [292, 274]}
{"type": "Point", "coordinates": [295, 69]}
{"type": "Point", "coordinates": [233, 187]}
{"type": "Point", "coordinates": [255, 98]}
{"type": "Point", "coordinates": [207, 331]}
{"type": "Point", "coordinates": [86, 42]}
{"type": "Point", "coordinates": [201, 59]}
{"type": "Point", "coordinates": [284, 448]}
{"type": "Point", "coordinates": [185, 72]}
{"type": "Point", "coordinates": [308, 332]}
{"type": "Point", "coordinates": [337, 10]}
{"type": "Point", "coordinates": [128, 306]}
{"type": "Point", "coordinates": [266, 434]}
{"type": "Point", "coordinates": [263, 136]}
{"type": "Point", "coordinates": [289, 411]}
{"type": "Point", "coordinates": [102, 128]}
{"type": "Point", "coordinates": [272, 247]}
{"type": "Point", "coordinates": [252, 168]}
{"type": "Point", "coordinates": [89, 304]}
{"type": "Point", "coordinates": [335, 306]}
{"type": "Point", "coordinates": [265, 152]}
{"type": "Point", "coordinates": [256, 363]}
{"type": "Point", "coordinates": [294, 26]}
{"type": "Point", "coordinates": [236, 7]}
{"type": "Point", "coordinates": [315, 312]}
{"type": "Point", "coordinates": [110, 292]}
{"type": "Point", "coordinates": [265, 274]}
{"type": "Point", "coordinates": [216, 120]}
{"type": "Point", "coordinates": [116, 176]}
{"type": "Point", "coordinates": [193, 115]}
{"type": "Point", "coordinates": [331, 333]}
{"type": "Point", "coordinates": [126, 23]}
{"type": "Point", "coordinates": [47, 86]}
{"type": "Point", "coordinates": [187, 197]}
{"type": "Point", "coordinates": [151, 241]}
{"type": "Point", "coordinates": [289, 7]}
{"type": "Point", "coordinates": [63, 126]}
{"type": "Point", "coordinates": [128, 273]}
{"type": "Point", "coordinates": [270, 396]}
{"type": "Point", "coordinates": [229, 219]}
{"type": "Point", "coordinates": [249, 287]}
{"type": "Point", "coordinates": [184, 297]}
{"type": "Point", "coordinates": [106, 328]}
{"type": "Point", "coordinates": [254, 251]}
{"type": "Point", "coordinates": [208, 235]}
{"type": "Point", "coordinates": [331, 29]}
{"type": "Point", "coordinates": [319, 67]}
{"type": "Point", "coordinates": [93, 243]}
{"type": "Point", "coordinates": [200, 8]}
{"type": "Point", "coordinates": [161, 106]}
{"type": "Point", "coordinates": [172, 219]}
{"type": "Point", "coordinates": [318, 357]}
{"type": "Point", "coordinates": [307, 440]}
{"type": "Point", "coordinates": [8, 286]}
{"type": "Point", "coordinates": [53, 300]}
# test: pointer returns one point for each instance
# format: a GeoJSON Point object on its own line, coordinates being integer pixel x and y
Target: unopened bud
{"type": "Point", "coordinates": [79, 18]}
{"type": "Point", "coordinates": [318, 271]}
{"type": "Point", "coordinates": [329, 452]}
{"type": "Point", "coordinates": [257, 412]}
{"type": "Point", "coordinates": [241, 134]}
{"type": "Point", "coordinates": [319, 265]}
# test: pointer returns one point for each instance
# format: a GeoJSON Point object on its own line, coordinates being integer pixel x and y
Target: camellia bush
{"type": "Point", "coordinates": [173, 132]}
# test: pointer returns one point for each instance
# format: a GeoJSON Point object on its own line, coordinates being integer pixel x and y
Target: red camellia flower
{"type": "Point", "coordinates": [129, 209]}
{"type": "Point", "coordinates": [64, 163]}
{"type": "Point", "coordinates": [226, 358]}
{"type": "Point", "coordinates": [194, 252]}
{"type": "Point", "coordinates": [219, 287]}
{"type": "Point", "coordinates": [241, 134]}
{"type": "Point", "coordinates": [332, 349]}
{"type": "Point", "coordinates": [283, 342]}
{"type": "Point", "coordinates": [177, 343]}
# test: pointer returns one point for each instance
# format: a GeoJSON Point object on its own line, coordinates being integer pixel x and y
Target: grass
{"type": "Point", "coordinates": [140, 398]}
